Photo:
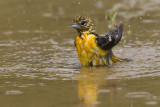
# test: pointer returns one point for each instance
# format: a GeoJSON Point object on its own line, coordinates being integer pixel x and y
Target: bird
{"type": "Point", "coordinates": [93, 49]}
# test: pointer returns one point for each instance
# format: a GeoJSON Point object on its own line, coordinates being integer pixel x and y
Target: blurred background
{"type": "Point", "coordinates": [39, 66]}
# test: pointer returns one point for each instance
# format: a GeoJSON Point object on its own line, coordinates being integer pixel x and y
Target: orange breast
{"type": "Point", "coordinates": [88, 51]}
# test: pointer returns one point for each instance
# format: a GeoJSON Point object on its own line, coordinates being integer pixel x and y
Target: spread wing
{"type": "Point", "coordinates": [111, 39]}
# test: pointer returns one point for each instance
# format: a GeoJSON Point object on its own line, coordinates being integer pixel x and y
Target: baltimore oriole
{"type": "Point", "coordinates": [92, 49]}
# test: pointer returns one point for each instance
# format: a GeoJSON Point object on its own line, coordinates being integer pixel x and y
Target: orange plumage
{"type": "Point", "coordinates": [92, 49]}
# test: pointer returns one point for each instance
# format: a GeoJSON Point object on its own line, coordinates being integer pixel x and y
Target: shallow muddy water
{"type": "Point", "coordinates": [39, 65]}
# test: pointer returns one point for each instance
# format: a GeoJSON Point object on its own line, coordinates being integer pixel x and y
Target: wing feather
{"type": "Point", "coordinates": [111, 39]}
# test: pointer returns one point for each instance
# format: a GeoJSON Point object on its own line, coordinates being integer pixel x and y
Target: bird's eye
{"type": "Point", "coordinates": [83, 23]}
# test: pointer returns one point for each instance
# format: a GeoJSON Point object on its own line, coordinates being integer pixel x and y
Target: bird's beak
{"type": "Point", "coordinates": [74, 26]}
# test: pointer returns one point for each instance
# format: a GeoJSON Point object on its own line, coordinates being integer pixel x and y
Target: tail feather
{"type": "Point", "coordinates": [111, 58]}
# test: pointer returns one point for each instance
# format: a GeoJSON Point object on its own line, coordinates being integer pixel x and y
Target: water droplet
{"type": "Point", "coordinates": [47, 15]}
{"type": "Point", "coordinates": [13, 92]}
{"type": "Point", "coordinates": [61, 11]}
{"type": "Point", "coordinates": [151, 103]}
{"type": "Point", "coordinates": [138, 95]}
{"type": "Point", "coordinates": [95, 102]}
{"type": "Point", "coordinates": [8, 32]}
{"type": "Point", "coordinates": [103, 91]}
{"type": "Point", "coordinates": [99, 4]}
{"type": "Point", "coordinates": [129, 26]}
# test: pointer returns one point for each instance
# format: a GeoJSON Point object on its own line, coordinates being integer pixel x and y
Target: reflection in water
{"type": "Point", "coordinates": [89, 81]}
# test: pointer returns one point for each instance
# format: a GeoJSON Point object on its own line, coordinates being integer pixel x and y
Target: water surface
{"type": "Point", "coordinates": [39, 65]}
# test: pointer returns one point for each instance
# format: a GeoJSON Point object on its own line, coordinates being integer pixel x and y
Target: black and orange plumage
{"type": "Point", "coordinates": [92, 49]}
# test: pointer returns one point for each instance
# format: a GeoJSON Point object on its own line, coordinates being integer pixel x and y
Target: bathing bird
{"type": "Point", "coordinates": [93, 49]}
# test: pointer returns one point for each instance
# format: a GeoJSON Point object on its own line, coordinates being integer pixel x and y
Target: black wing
{"type": "Point", "coordinates": [111, 39]}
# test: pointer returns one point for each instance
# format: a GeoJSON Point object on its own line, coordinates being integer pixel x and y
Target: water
{"type": "Point", "coordinates": [39, 65]}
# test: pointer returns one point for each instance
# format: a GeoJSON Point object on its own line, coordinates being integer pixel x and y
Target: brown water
{"type": "Point", "coordinates": [39, 65]}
